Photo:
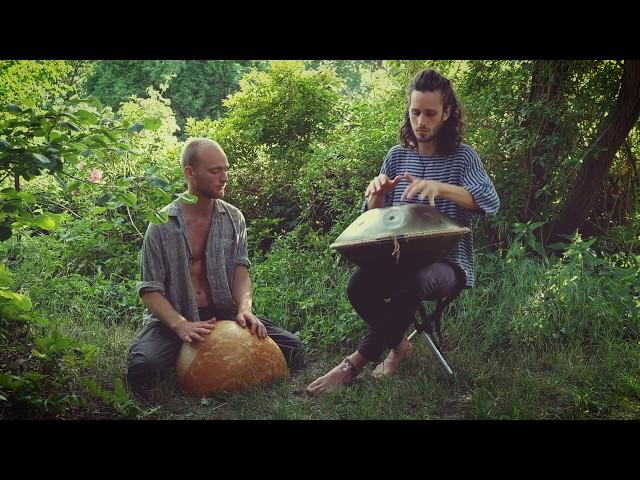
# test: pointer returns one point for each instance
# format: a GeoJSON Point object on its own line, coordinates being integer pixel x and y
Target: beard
{"type": "Point", "coordinates": [210, 193]}
{"type": "Point", "coordinates": [425, 139]}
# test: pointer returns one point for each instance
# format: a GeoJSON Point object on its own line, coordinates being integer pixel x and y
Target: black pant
{"type": "Point", "coordinates": [387, 300]}
{"type": "Point", "coordinates": [155, 349]}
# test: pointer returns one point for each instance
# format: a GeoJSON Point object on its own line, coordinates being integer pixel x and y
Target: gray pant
{"type": "Point", "coordinates": [155, 350]}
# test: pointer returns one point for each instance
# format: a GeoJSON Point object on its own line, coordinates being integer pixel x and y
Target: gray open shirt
{"type": "Point", "coordinates": [166, 259]}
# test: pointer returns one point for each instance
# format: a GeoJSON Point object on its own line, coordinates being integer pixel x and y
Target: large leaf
{"type": "Point", "coordinates": [127, 198]}
{"type": "Point", "coordinates": [158, 218]}
{"type": "Point", "coordinates": [87, 117]}
{"type": "Point", "coordinates": [45, 221]}
{"type": "Point", "coordinates": [13, 108]}
{"type": "Point", "coordinates": [42, 160]}
{"type": "Point", "coordinates": [188, 198]}
{"type": "Point", "coordinates": [22, 302]}
{"type": "Point", "coordinates": [152, 123]}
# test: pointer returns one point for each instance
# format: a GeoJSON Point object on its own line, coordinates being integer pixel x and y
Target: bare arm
{"type": "Point", "coordinates": [242, 296]}
{"type": "Point", "coordinates": [432, 189]}
{"type": "Point", "coordinates": [241, 290]}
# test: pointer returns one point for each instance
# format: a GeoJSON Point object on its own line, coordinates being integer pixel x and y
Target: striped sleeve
{"type": "Point", "coordinates": [476, 181]}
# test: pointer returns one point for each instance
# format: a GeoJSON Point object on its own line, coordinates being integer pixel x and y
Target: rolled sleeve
{"type": "Point", "coordinates": [242, 251]}
{"type": "Point", "coordinates": [476, 181]}
{"type": "Point", "coordinates": [153, 271]}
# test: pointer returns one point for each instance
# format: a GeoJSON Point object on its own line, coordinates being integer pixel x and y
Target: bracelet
{"type": "Point", "coordinates": [349, 366]}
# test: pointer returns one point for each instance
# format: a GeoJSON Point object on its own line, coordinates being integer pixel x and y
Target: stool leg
{"type": "Point", "coordinates": [436, 352]}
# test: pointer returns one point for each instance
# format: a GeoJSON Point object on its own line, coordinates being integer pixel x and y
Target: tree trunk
{"type": "Point", "coordinates": [547, 81]}
{"type": "Point", "coordinates": [599, 157]}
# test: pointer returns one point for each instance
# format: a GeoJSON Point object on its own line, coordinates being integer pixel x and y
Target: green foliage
{"type": "Point", "coordinates": [120, 399]}
{"type": "Point", "coordinates": [196, 88]}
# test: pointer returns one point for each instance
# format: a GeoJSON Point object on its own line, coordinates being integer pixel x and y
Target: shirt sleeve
{"type": "Point", "coordinates": [476, 181]}
{"type": "Point", "coordinates": [242, 250]}
{"type": "Point", "coordinates": [153, 272]}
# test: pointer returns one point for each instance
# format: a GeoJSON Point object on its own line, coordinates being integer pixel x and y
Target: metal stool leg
{"type": "Point", "coordinates": [430, 342]}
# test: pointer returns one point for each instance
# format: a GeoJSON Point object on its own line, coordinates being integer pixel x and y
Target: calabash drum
{"type": "Point", "coordinates": [229, 359]}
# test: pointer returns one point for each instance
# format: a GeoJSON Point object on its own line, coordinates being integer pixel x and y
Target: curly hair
{"type": "Point", "coordinates": [450, 134]}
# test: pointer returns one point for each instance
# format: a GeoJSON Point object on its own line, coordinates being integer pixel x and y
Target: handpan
{"type": "Point", "coordinates": [411, 234]}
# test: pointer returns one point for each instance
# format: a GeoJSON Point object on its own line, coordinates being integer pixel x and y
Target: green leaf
{"type": "Point", "coordinates": [46, 221]}
{"type": "Point", "coordinates": [22, 302]}
{"type": "Point", "coordinates": [103, 199]}
{"type": "Point", "coordinates": [5, 146]}
{"type": "Point", "coordinates": [12, 382]}
{"type": "Point", "coordinates": [12, 107]}
{"type": "Point", "coordinates": [135, 128]}
{"type": "Point", "coordinates": [70, 126]}
{"type": "Point", "coordinates": [87, 117]}
{"type": "Point", "coordinates": [37, 354]}
{"type": "Point", "coordinates": [159, 182]}
{"type": "Point", "coordinates": [34, 377]}
{"type": "Point", "coordinates": [127, 198]}
{"type": "Point", "coordinates": [158, 218]}
{"type": "Point", "coordinates": [73, 186]}
{"type": "Point", "coordinates": [188, 198]}
{"type": "Point", "coordinates": [86, 153]}
{"type": "Point", "coordinates": [152, 123]}
{"type": "Point", "coordinates": [42, 160]}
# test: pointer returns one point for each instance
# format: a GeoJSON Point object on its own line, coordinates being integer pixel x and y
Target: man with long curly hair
{"type": "Point", "coordinates": [431, 165]}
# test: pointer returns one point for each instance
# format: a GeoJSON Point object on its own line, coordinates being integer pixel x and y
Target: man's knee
{"type": "Point", "coordinates": [145, 369]}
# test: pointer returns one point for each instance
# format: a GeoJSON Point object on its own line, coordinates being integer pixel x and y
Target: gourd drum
{"type": "Point", "coordinates": [229, 359]}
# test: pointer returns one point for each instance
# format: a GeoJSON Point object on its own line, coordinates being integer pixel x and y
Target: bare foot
{"type": "Point", "coordinates": [391, 364]}
{"type": "Point", "coordinates": [338, 376]}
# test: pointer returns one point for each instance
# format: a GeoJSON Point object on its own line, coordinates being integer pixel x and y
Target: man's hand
{"type": "Point", "coordinates": [190, 331]}
{"type": "Point", "coordinates": [256, 326]}
{"type": "Point", "coordinates": [381, 185]}
{"type": "Point", "coordinates": [423, 189]}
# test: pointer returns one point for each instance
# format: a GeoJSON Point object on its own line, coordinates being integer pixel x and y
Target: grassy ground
{"type": "Point", "coordinates": [533, 340]}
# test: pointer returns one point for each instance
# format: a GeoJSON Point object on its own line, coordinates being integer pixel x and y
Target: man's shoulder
{"type": "Point", "coordinates": [465, 151]}
{"type": "Point", "coordinates": [397, 150]}
{"type": "Point", "coordinates": [234, 211]}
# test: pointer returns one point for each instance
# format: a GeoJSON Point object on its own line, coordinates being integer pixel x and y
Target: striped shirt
{"type": "Point", "coordinates": [166, 259]}
{"type": "Point", "coordinates": [462, 168]}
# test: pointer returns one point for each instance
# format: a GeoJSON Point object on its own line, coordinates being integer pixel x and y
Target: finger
{"type": "Point", "coordinates": [396, 180]}
{"type": "Point", "coordinates": [369, 190]}
{"type": "Point", "coordinates": [212, 320]}
{"type": "Point", "coordinates": [241, 321]}
{"type": "Point", "coordinates": [195, 336]}
{"type": "Point", "coordinates": [254, 328]}
{"type": "Point", "coordinates": [409, 192]}
{"type": "Point", "coordinates": [432, 199]}
{"type": "Point", "coordinates": [377, 185]}
{"type": "Point", "coordinates": [263, 331]}
{"type": "Point", "coordinates": [409, 177]}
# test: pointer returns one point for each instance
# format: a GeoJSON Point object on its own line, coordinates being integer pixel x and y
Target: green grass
{"type": "Point", "coordinates": [535, 339]}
